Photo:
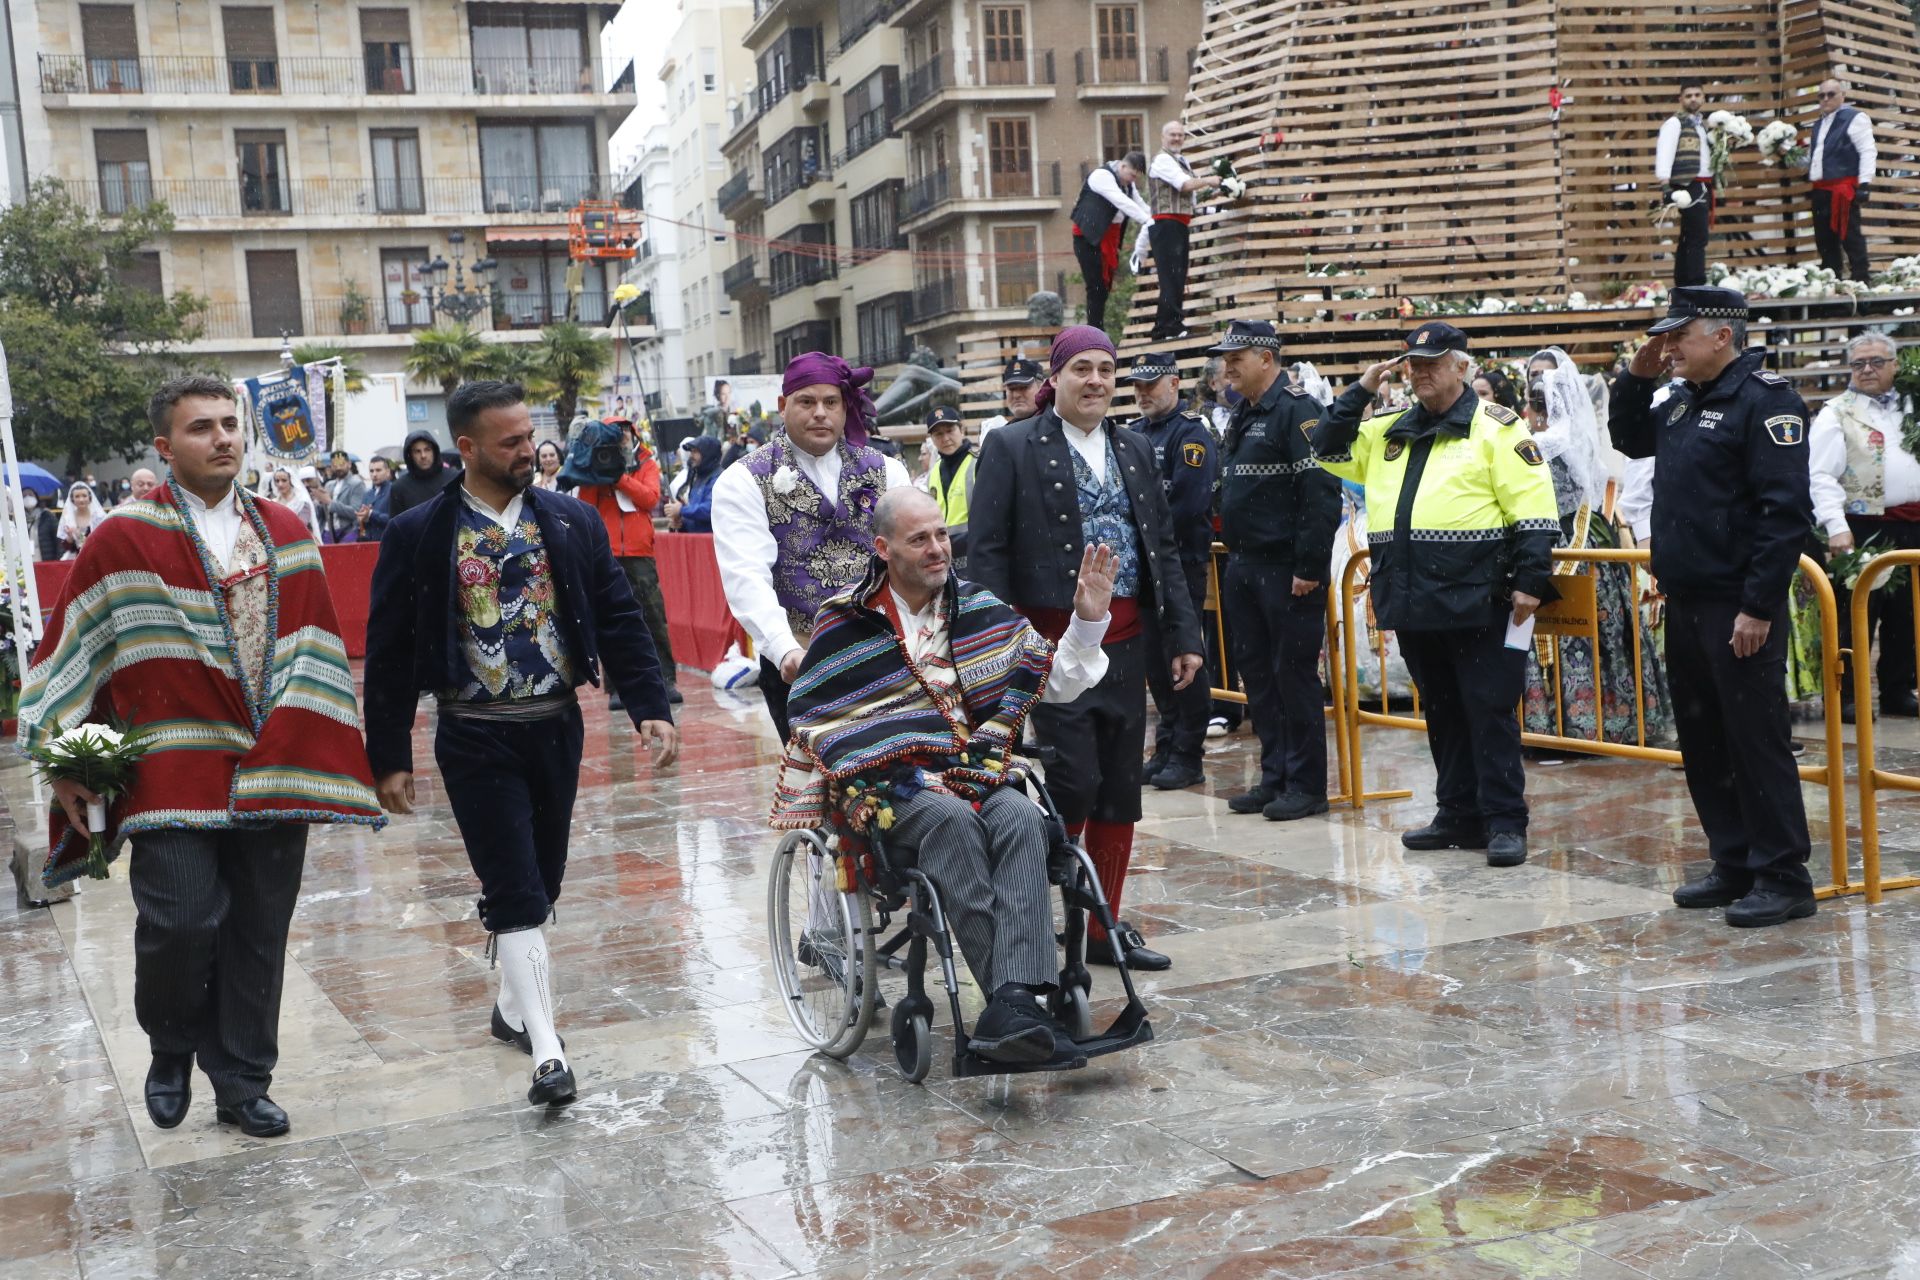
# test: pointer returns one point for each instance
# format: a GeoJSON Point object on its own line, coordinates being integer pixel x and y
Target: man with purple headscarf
{"type": "Point", "coordinates": [1049, 487]}
{"type": "Point", "coordinates": [793, 523]}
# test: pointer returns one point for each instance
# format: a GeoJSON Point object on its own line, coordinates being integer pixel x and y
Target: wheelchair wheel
{"type": "Point", "coordinates": [1069, 1005]}
{"type": "Point", "coordinates": [912, 1043]}
{"type": "Point", "coordinates": [822, 941]}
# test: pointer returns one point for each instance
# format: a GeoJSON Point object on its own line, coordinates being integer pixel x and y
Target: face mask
{"type": "Point", "coordinates": [30, 501]}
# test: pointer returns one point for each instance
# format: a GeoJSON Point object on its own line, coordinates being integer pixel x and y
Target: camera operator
{"type": "Point", "coordinates": [618, 476]}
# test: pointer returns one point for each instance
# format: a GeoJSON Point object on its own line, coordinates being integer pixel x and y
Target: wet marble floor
{"type": "Point", "coordinates": [1367, 1063]}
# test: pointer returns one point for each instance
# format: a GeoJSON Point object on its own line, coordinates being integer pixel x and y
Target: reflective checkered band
{"type": "Point", "coordinates": [1334, 457]}
{"type": "Point", "coordinates": [1537, 526]}
{"type": "Point", "coordinates": [1151, 372]}
{"type": "Point", "coordinates": [1237, 340]}
{"type": "Point", "coordinates": [1445, 535]}
{"type": "Point", "coordinates": [1722, 313]}
{"type": "Point", "coordinates": [1270, 468]}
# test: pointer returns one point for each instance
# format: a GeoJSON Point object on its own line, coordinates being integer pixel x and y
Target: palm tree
{"type": "Point", "coordinates": [573, 360]}
{"type": "Point", "coordinates": [520, 362]}
{"type": "Point", "coordinates": [315, 352]}
{"type": "Point", "coordinates": [449, 354]}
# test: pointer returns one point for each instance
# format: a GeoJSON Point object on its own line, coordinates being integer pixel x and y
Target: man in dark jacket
{"type": "Point", "coordinates": [501, 599]}
{"type": "Point", "coordinates": [1184, 453]}
{"type": "Point", "coordinates": [425, 476]}
{"type": "Point", "coordinates": [1278, 514]}
{"type": "Point", "coordinates": [1049, 487]}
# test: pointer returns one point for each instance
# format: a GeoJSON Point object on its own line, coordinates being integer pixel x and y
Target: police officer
{"type": "Point", "coordinates": [1731, 509]}
{"type": "Point", "coordinates": [1185, 452]}
{"type": "Point", "coordinates": [1462, 522]}
{"type": "Point", "coordinates": [1278, 514]}
{"type": "Point", "coordinates": [950, 477]}
{"type": "Point", "coordinates": [1020, 385]}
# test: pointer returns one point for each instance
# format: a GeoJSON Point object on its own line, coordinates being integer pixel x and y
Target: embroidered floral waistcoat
{"type": "Point", "coordinates": [824, 541]}
{"type": "Point", "coordinates": [1865, 479]}
{"type": "Point", "coordinates": [509, 640]}
{"type": "Point", "coordinates": [1106, 515]}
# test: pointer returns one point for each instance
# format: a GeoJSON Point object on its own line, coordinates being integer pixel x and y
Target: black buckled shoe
{"type": "Point", "coordinates": [1294, 805]}
{"type": "Point", "coordinates": [169, 1088]}
{"type": "Point", "coordinates": [1506, 849]}
{"type": "Point", "coordinates": [1718, 888]}
{"type": "Point", "coordinates": [552, 1084]}
{"type": "Point", "coordinates": [505, 1034]}
{"type": "Point", "coordinates": [1444, 835]}
{"type": "Point", "coordinates": [1899, 704]}
{"type": "Point", "coordinates": [1140, 957]}
{"type": "Point", "coordinates": [1254, 801]}
{"type": "Point", "coordinates": [1768, 905]}
{"type": "Point", "coordinates": [259, 1117]}
{"type": "Point", "coordinates": [1178, 776]}
{"type": "Point", "coordinates": [1013, 1028]}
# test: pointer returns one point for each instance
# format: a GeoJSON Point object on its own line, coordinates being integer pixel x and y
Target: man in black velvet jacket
{"type": "Point", "coordinates": [500, 599]}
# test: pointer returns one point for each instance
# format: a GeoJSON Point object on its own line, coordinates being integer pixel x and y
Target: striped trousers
{"type": "Point", "coordinates": [210, 947]}
{"type": "Point", "coordinates": [990, 866]}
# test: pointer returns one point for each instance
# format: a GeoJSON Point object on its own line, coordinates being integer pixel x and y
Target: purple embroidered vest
{"type": "Point", "coordinates": [825, 542]}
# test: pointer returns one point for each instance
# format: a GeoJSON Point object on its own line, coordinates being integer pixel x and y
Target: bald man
{"type": "Point", "coordinates": [140, 485]}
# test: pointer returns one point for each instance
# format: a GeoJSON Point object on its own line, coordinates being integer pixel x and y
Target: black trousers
{"type": "Point", "coordinates": [774, 690]}
{"type": "Point", "coordinates": [1737, 742]}
{"type": "Point", "coordinates": [1277, 638]}
{"type": "Point", "coordinates": [1843, 255]}
{"type": "Point", "coordinates": [1092, 744]}
{"type": "Point", "coordinates": [1690, 254]}
{"type": "Point", "coordinates": [1470, 686]}
{"type": "Point", "coordinates": [1181, 732]}
{"type": "Point", "coordinates": [210, 947]}
{"type": "Point", "coordinates": [511, 785]}
{"type": "Point", "coordinates": [1169, 241]}
{"type": "Point", "coordinates": [643, 576]}
{"type": "Point", "coordinates": [1093, 269]}
{"type": "Point", "coordinates": [1889, 612]}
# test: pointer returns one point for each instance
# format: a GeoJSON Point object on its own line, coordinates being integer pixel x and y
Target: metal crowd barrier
{"type": "Point", "coordinates": [1873, 779]}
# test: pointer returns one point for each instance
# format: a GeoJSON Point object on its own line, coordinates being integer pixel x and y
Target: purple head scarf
{"type": "Point", "coordinates": [817, 368]}
{"type": "Point", "coordinates": [1072, 340]}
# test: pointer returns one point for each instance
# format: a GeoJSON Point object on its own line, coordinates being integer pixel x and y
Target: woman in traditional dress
{"type": "Point", "coordinates": [82, 516]}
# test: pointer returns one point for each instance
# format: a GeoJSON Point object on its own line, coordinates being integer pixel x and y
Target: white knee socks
{"type": "Point", "coordinates": [526, 980]}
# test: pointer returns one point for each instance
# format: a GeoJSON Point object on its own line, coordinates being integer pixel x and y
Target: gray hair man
{"type": "Point", "coordinates": [1173, 190]}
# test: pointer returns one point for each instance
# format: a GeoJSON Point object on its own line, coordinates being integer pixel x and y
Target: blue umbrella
{"type": "Point", "coordinates": [38, 479]}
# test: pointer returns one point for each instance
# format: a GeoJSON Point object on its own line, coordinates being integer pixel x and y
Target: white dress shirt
{"type": "Point", "coordinates": [744, 545]}
{"type": "Point", "coordinates": [1167, 169]}
{"type": "Point", "coordinates": [1091, 446]}
{"type": "Point", "coordinates": [506, 518]}
{"type": "Point", "coordinates": [1669, 146]}
{"type": "Point", "coordinates": [1860, 133]}
{"type": "Point", "coordinates": [1634, 503]}
{"type": "Point", "coordinates": [1126, 204]}
{"type": "Point", "coordinates": [1827, 461]}
{"type": "Point", "coordinates": [1079, 663]}
{"type": "Point", "coordinates": [219, 524]}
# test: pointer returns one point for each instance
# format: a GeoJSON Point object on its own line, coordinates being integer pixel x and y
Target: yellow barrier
{"type": "Point", "coordinates": [1872, 776]}
{"type": "Point", "coordinates": [1568, 621]}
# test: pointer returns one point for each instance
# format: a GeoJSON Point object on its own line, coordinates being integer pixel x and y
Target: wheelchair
{"type": "Point", "coordinates": [830, 911]}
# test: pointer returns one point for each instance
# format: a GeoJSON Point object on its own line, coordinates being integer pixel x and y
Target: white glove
{"type": "Point", "coordinates": [1135, 261]}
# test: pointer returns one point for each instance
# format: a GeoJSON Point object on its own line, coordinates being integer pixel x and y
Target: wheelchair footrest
{"type": "Point", "coordinates": [968, 1063]}
{"type": "Point", "coordinates": [1129, 1029]}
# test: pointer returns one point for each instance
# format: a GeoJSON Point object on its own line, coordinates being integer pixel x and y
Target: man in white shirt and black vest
{"type": "Point", "coordinates": [1866, 488]}
{"type": "Point", "coordinates": [1841, 161]}
{"type": "Point", "coordinates": [1172, 190]}
{"type": "Point", "coordinates": [1108, 200]}
{"type": "Point", "coordinates": [1683, 161]}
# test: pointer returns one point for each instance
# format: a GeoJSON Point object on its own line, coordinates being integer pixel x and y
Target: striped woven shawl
{"type": "Point", "coordinates": [138, 633]}
{"type": "Point", "coordinates": [860, 709]}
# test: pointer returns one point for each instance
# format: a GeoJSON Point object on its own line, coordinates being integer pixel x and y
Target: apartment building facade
{"type": "Point", "coordinates": [653, 373]}
{"type": "Point", "coordinates": [817, 170]}
{"type": "Point", "coordinates": [319, 158]}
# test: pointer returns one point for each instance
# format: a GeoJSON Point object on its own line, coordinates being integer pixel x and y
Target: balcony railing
{"type": "Point", "coordinates": [334, 317]}
{"type": "Point", "coordinates": [735, 191]}
{"type": "Point", "coordinates": [248, 196]}
{"type": "Point", "coordinates": [934, 189]}
{"type": "Point", "coordinates": [1037, 70]}
{"type": "Point", "coordinates": [1152, 66]}
{"type": "Point", "coordinates": [1017, 184]}
{"type": "Point", "coordinates": [784, 183]}
{"type": "Point", "coordinates": [330, 76]}
{"type": "Point", "coordinates": [923, 82]}
{"type": "Point", "coordinates": [866, 132]}
{"type": "Point", "coordinates": [936, 298]}
{"type": "Point", "coordinates": [866, 18]}
{"type": "Point", "coordinates": [894, 352]}
{"type": "Point", "coordinates": [744, 276]}
{"type": "Point", "coordinates": [744, 366]}
{"type": "Point", "coordinates": [792, 271]}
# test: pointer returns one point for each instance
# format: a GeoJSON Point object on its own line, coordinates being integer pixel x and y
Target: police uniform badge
{"type": "Point", "coordinates": [1500, 413]}
{"type": "Point", "coordinates": [1786, 429]}
{"type": "Point", "coordinates": [1306, 428]}
{"type": "Point", "coordinates": [1194, 455]}
{"type": "Point", "coordinates": [1394, 449]}
{"type": "Point", "coordinates": [1529, 453]}
{"type": "Point", "coordinates": [1679, 412]}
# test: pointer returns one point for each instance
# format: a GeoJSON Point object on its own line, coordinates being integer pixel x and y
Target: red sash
{"type": "Point", "coordinates": [1842, 190]}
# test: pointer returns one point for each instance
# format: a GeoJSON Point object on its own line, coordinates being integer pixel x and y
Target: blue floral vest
{"type": "Point", "coordinates": [1106, 516]}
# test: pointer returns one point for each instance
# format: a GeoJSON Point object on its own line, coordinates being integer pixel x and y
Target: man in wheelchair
{"type": "Point", "coordinates": [906, 711]}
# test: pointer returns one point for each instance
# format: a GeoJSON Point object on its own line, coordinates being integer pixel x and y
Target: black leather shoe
{"type": "Point", "coordinates": [1294, 805]}
{"type": "Point", "coordinates": [1444, 835]}
{"type": "Point", "coordinates": [1846, 712]}
{"type": "Point", "coordinates": [1013, 1028]}
{"type": "Point", "coordinates": [552, 1084]}
{"type": "Point", "coordinates": [1151, 769]}
{"type": "Point", "coordinates": [1896, 704]}
{"type": "Point", "coordinates": [1768, 904]}
{"type": "Point", "coordinates": [507, 1035]}
{"type": "Point", "coordinates": [1140, 957]}
{"type": "Point", "coordinates": [259, 1117]}
{"type": "Point", "coordinates": [1253, 801]}
{"type": "Point", "coordinates": [1506, 849]}
{"type": "Point", "coordinates": [674, 696]}
{"type": "Point", "coordinates": [1178, 776]}
{"type": "Point", "coordinates": [1715, 889]}
{"type": "Point", "coordinates": [169, 1088]}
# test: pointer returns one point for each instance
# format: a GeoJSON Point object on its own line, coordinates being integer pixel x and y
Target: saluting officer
{"type": "Point", "coordinates": [1278, 516]}
{"type": "Point", "coordinates": [1184, 449]}
{"type": "Point", "coordinates": [1461, 522]}
{"type": "Point", "coordinates": [1731, 508]}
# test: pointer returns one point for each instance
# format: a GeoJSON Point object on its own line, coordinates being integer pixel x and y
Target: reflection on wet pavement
{"type": "Point", "coordinates": [1367, 1063]}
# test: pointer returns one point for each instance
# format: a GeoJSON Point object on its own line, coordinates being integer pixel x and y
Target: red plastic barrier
{"type": "Point", "coordinates": [698, 620]}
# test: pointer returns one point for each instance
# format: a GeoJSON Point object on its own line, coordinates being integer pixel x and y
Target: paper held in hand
{"type": "Point", "coordinates": [1520, 634]}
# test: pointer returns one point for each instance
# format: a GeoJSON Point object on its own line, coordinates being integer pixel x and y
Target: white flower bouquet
{"type": "Point", "coordinates": [1726, 133]}
{"type": "Point", "coordinates": [1779, 144]}
{"type": "Point", "coordinates": [101, 758]}
{"type": "Point", "coordinates": [1232, 185]}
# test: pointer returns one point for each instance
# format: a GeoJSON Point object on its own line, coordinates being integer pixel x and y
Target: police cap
{"type": "Point", "coordinates": [943, 413]}
{"type": "Point", "coordinates": [1700, 302]}
{"type": "Point", "coordinates": [1150, 366]}
{"type": "Point", "coordinates": [1247, 334]}
{"type": "Point", "coordinates": [1434, 338]}
{"type": "Point", "coordinates": [1020, 372]}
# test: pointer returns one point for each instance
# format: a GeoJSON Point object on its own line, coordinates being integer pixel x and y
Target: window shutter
{"type": "Point", "coordinates": [249, 33]}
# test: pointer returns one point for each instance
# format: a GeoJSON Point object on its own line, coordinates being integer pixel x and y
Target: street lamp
{"type": "Point", "coordinates": [462, 299]}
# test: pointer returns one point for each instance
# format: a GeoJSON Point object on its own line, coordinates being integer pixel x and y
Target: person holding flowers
{"type": "Point", "coordinates": [199, 619]}
{"type": "Point", "coordinates": [1683, 166]}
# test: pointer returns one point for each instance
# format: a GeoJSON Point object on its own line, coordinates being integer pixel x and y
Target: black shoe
{"type": "Point", "coordinates": [169, 1088]}
{"type": "Point", "coordinates": [1769, 904]}
{"type": "Point", "coordinates": [259, 1117]}
{"type": "Point", "coordinates": [1178, 776]}
{"type": "Point", "coordinates": [1293, 805]}
{"type": "Point", "coordinates": [552, 1084]}
{"type": "Point", "coordinates": [1140, 957]}
{"type": "Point", "coordinates": [1715, 889]}
{"type": "Point", "coordinates": [614, 703]}
{"type": "Point", "coordinates": [1254, 801]}
{"type": "Point", "coordinates": [521, 1040]}
{"type": "Point", "coordinates": [674, 696]}
{"type": "Point", "coordinates": [1013, 1028]}
{"type": "Point", "coordinates": [1151, 769]}
{"type": "Point", "coordinates": [1846, 711]}
{"type": "Point", "coordinates": [1896, 704]}
{"type": "Point", "coordinates": [1506, 849]}
{"type": "Point", "coordinates": [1444, 835]}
